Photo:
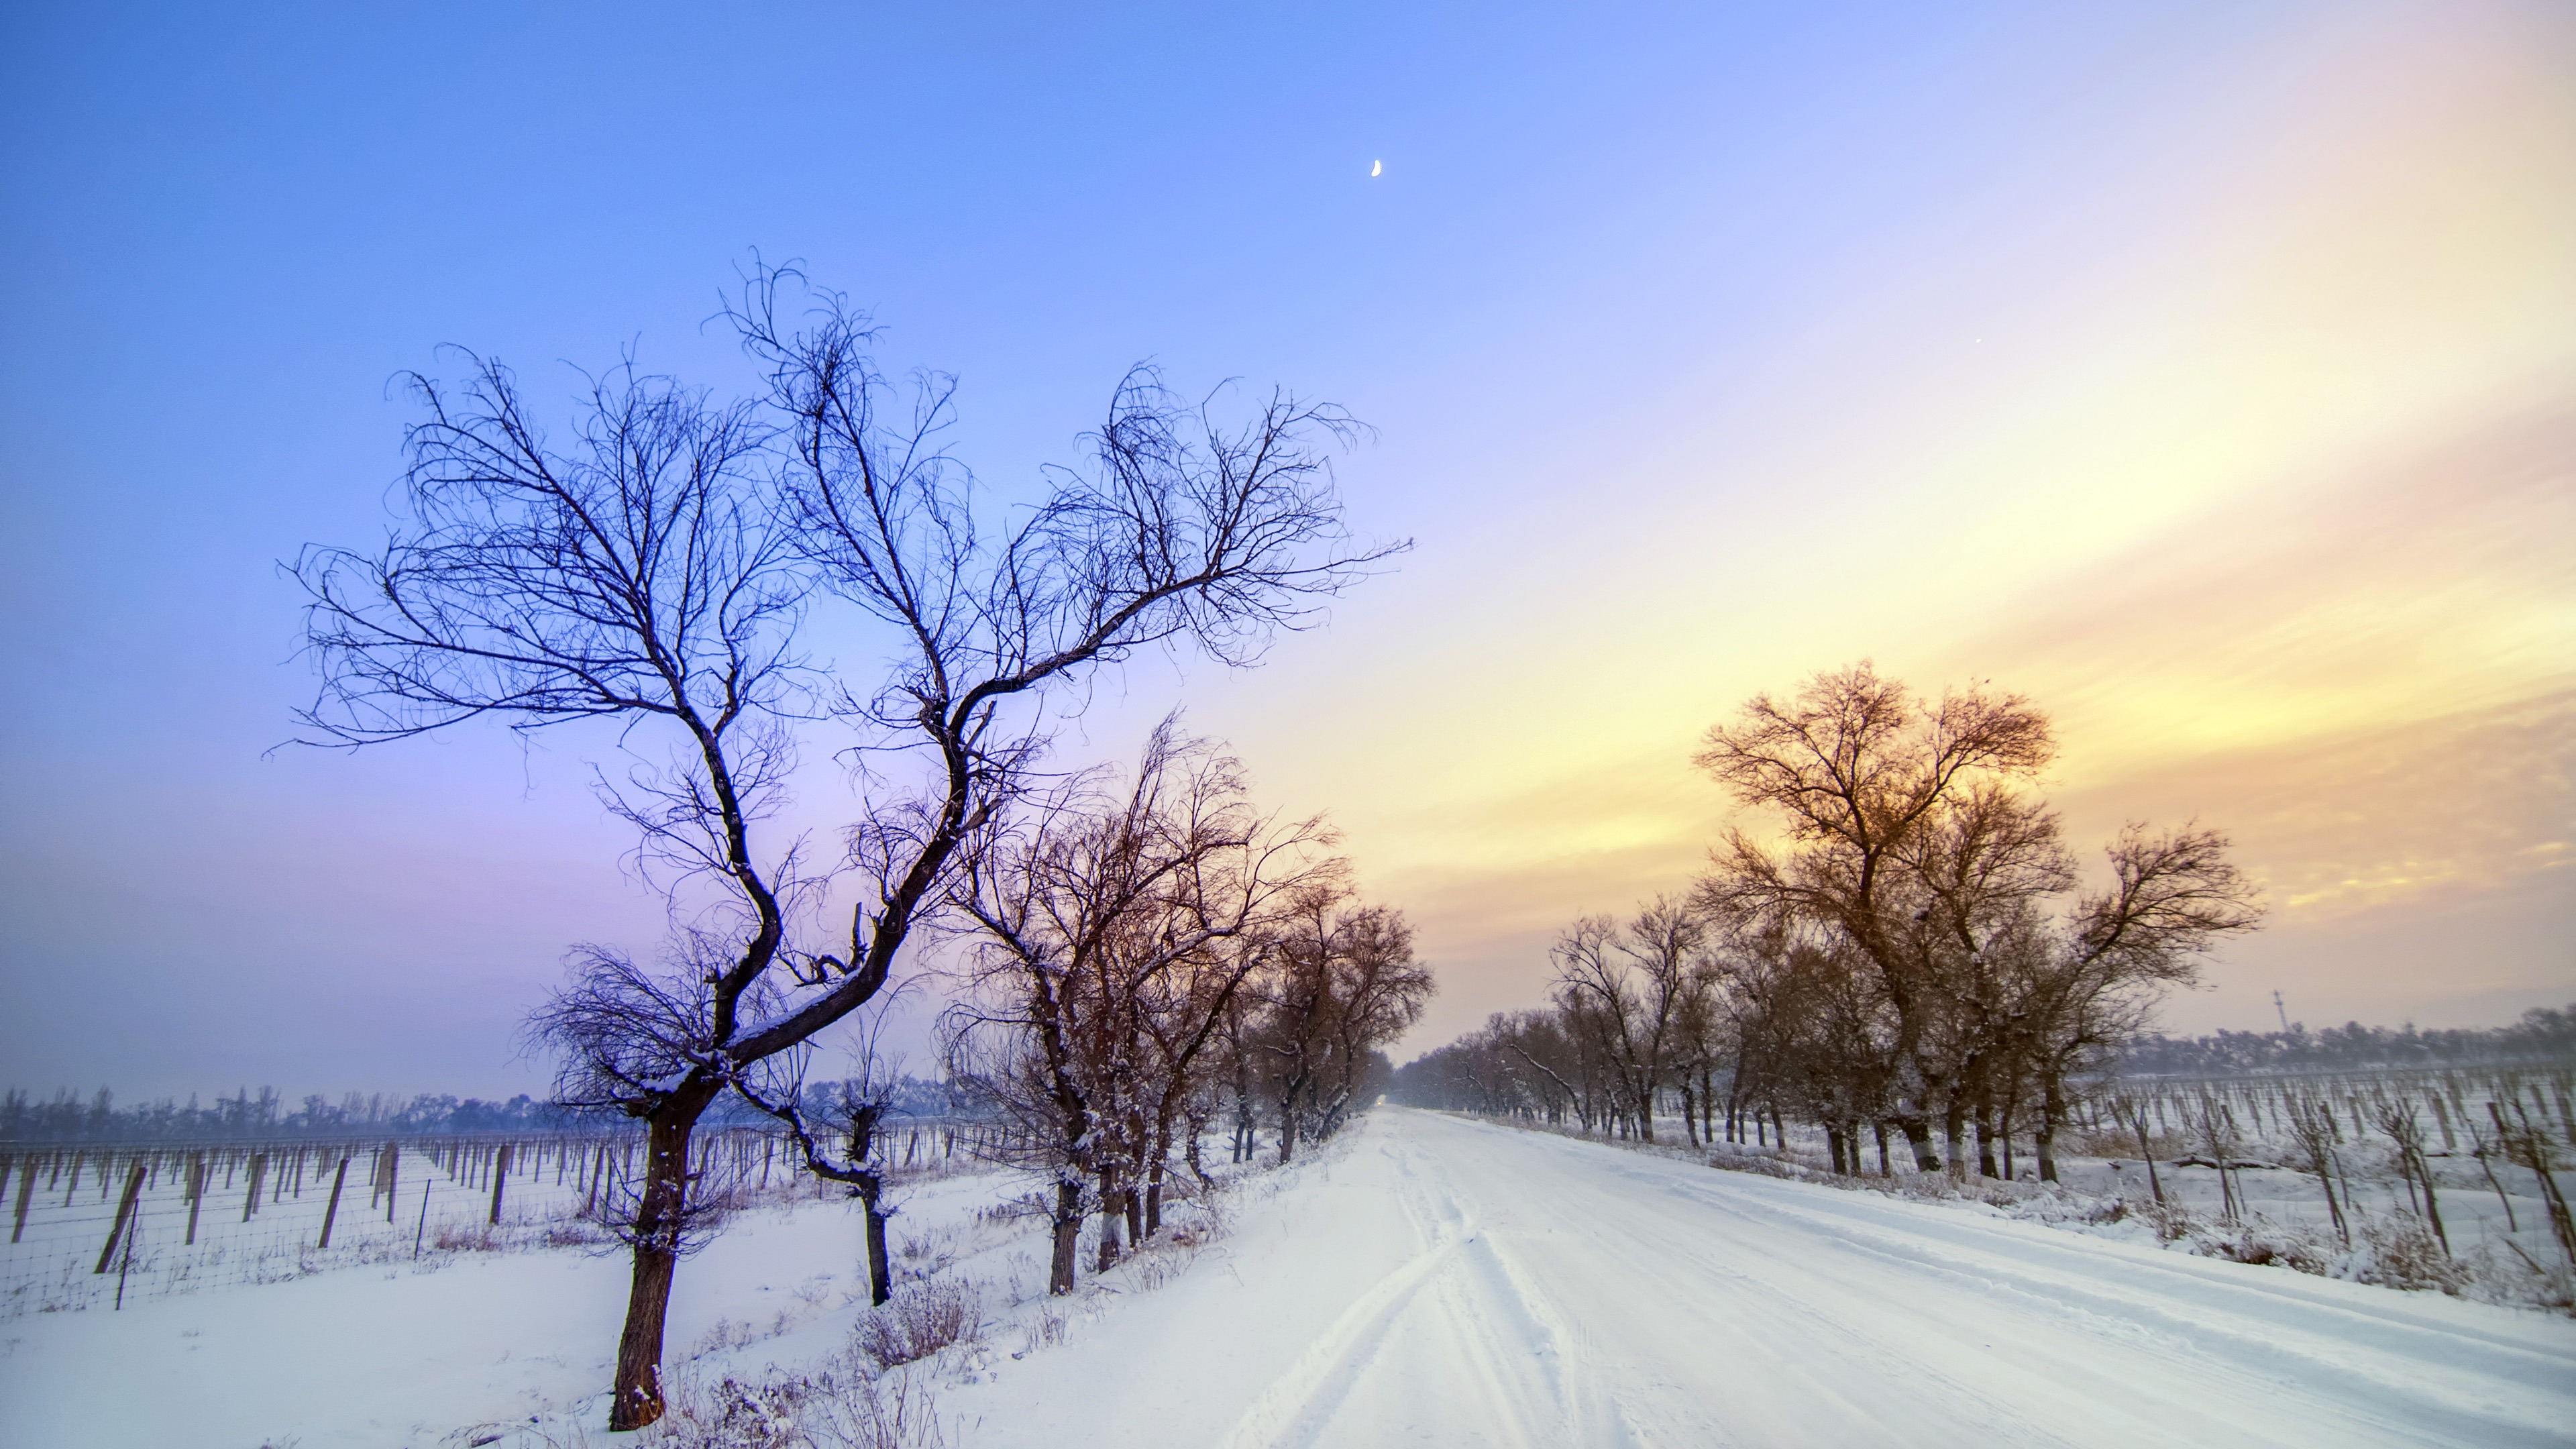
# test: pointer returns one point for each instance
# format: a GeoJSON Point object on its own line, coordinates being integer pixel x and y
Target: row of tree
{"type": "Point", "coordinates": [656, 567]}
{"type": "Point", "coordinates": [1907, 945]}
{"type": "Point", "coordinates": [1138, 957]}
{"type": "Point", "coordinates": [1143, 955]}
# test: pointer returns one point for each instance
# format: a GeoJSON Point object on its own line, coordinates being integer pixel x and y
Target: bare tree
{"type": "Point", "coordinates": [1631, 990]}
{"type": "Point", "coordinates": [1344, 984]}
{"type": "Point", "coordinates": [1913, 850]}
{"type": "Point", "coordinates": [1858, 771]}
{"type": "Point", "coordinates": [1113, 931]}
{"type": "Point", "coordinates": [656, 570]}
{"type": "Point", "coordinates": [852, 1119]}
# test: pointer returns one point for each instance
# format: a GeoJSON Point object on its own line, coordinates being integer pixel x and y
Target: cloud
{"type": "Point", "coordinates": [2408, 593]}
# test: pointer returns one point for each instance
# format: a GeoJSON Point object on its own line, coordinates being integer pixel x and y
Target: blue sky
{"type": "Point", "coordinates": [1708, 346]}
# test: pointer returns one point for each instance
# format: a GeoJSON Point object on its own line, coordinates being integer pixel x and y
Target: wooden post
{"type": "Point", "coordinates": [393, 1178]}
{"type": "Point", "coordinates": [500, 1176]}
{"type": "Point", "coordinates": [75, 1182]}
{"type": "Point", "coordinates": [124, 1213]}
{"type": "Point", "coordinates": [333, 1211]}
{"type": "Point", "coordinates": [26, 1188]}
{"type": "Point", "coordinates": [250, 1199]}
{"type": "Point", "coordinates": [122, 1265]}
{"type": "Point", "coordinates": [196, 1192]}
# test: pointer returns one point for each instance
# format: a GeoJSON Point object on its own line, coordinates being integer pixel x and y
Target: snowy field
{"type": "Point", "coordinates": [1425, 1280]}
{"type": "Point", "coordinates": [2495, 1220]}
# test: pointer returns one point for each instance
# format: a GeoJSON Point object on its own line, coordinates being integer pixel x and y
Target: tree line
{"type": "Point", "coordinates": [660, 562]}
{"type": "Point", "coordinates": [67, 1117]}
{"type": "Point", "coordinates": [1152, 952]}
{"type": "Point", "coordinates": [2542, 1035]}
{"type": "Point", "coordinates": [1897, 943]}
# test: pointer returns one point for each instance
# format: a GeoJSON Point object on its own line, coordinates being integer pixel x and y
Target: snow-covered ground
{"type": "Point", "coordinates": [1426, 1279]}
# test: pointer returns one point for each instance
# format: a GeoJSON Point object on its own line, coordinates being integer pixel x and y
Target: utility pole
{"type": "Point", "coordinates": [2284, 1012]}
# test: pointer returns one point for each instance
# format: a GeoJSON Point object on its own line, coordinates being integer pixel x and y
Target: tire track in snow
{"type": "Point", "coordinates": [1457, 1301]}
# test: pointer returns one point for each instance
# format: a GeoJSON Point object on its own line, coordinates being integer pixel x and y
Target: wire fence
{"type": "Point", "coordinates": [101, 1225]}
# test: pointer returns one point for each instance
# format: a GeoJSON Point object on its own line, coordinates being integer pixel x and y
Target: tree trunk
{"type": "Point", "coordinates": [1918, 1136]}
{"type": "Point", "coordinates": [880, 1269]}
{"type": "Point", "coordinates": [1154, 1178]}
{"type": "Point", "coordinates": [655, 1237]}
{"type": "Point", "coordinates": [1110, 1210]}
{"type": "Point", "coordinates": [2052, 1110]}
{"type": "Point", "coordinates": [638, 1401]}
{"type": "Point", "coordinates": [1068, 1237]}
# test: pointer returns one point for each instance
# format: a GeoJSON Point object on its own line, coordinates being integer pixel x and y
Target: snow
{"type": "Point", "coordinates": [1425, 1279]}
{"type": "Point", "coordinates": [1454, 1282]}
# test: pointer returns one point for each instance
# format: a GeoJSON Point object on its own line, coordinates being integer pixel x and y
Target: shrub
{"type": "Point", "coordinates": [920, 1321]}
{"type": "Point", "coordinates": [2400, 1251]}
{"type": "Point", "coordinates": [2295, 1247]}
{"type": "Point", "coordinates": [804, 1411]}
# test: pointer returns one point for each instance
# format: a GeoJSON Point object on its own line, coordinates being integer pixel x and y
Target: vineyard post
{"type": "Point", "coordinates": [250, 1198]}
{"type": "Point", "coordinates": [332, 1211]}
{"type": "Point", "coordinates": [124, 1213]}
{"type": "Point", "coordinates": [26, 1188]}
{"type": "Point", "coordinates": [196, 1193]}
{"type": "Point", "coordinates": [423, 1226]}
{"type": "Point", "coordinates": [500, 1176]}
{"type": "Point", "coordinates": [123, 1266]}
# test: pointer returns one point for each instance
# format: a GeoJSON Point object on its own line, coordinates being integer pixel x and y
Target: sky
{"type": "Point", "coordinates": [2206, 373]}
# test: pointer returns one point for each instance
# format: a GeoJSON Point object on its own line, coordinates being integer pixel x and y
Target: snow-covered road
{"type": "Point", "coordinates": [1452, 1282]}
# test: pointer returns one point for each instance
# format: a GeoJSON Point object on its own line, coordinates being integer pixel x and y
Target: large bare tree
{"type": "Point", "coordinates": [1913, 850]}
{"type": "Point", "coordinates": [1859, 771]}
{"type": "Point", "coordinates": [654, 570]}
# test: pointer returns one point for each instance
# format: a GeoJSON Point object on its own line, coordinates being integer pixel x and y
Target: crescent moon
{"type": "Point", "coordinates": [1376, 167]}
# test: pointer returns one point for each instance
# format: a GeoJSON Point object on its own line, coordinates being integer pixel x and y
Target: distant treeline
{"type": "Point", "coordinates": [2543, 1034]}
{"type": "Point", "coordinates": [70, 1117]}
